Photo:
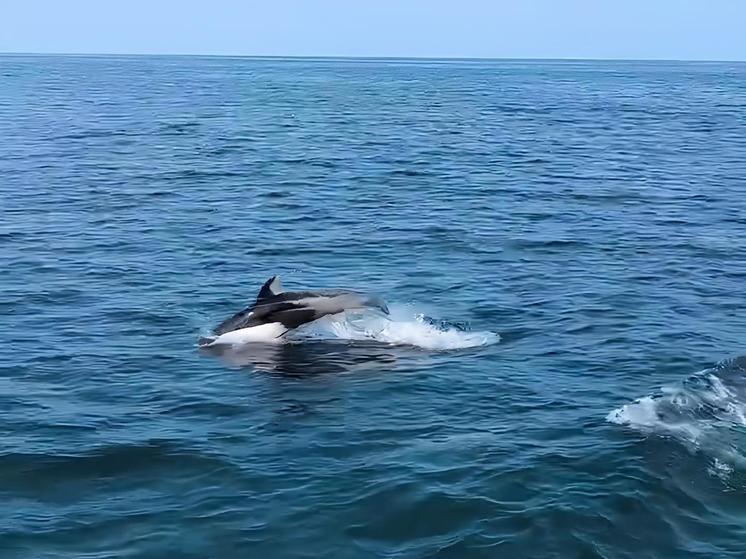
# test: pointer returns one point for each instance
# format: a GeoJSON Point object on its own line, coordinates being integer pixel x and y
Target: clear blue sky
{"type": "Point", "coordinates": [661, 29]}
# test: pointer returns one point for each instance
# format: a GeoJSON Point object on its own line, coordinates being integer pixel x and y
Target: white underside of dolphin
{"type": "Point", "coordinates": [264, 333]}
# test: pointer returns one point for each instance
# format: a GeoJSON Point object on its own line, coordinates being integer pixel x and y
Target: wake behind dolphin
{"type": "Point", "coordinates": [276, 312]}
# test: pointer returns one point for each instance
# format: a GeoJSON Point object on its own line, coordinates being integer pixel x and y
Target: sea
{"type": "Point", "coordinates": [562, 246]}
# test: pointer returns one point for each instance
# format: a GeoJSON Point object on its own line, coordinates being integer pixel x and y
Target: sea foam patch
{"type": "Point", "coordinates": [706, 412]}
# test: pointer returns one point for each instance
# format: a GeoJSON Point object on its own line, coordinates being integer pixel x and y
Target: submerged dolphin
{"type": "Point", "coordinates": [275, 312]}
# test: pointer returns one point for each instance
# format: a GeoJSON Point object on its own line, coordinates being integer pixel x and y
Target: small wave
{"type": "Point", "coordinates": [706, 412]}
{"type": "Point", "coordinates": [404, 326]}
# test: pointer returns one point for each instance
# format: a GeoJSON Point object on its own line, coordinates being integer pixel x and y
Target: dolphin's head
{"type": "Point", "coordinates": [376, 302]}
{"type": "Point", "coordinates": [334, 301]}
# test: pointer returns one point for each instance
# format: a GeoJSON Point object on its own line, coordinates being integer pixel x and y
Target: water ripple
{"type": "Point", "coordinates": [590, 214]}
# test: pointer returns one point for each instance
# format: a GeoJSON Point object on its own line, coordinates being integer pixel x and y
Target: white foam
{"type": "Point", "coordinates": [640, 412]}
{"type": "Point", "coordinates": [706, 412]}
{"type": "Point", "coordinates": [404, 326]}
{"type": "Point", "coordinates": [643, 414]}
{"type": "Point", "coordinates": [720, 469]}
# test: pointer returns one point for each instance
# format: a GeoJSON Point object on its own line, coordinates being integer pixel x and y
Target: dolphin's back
{"type": "Point", "coordinates": [294, 309]}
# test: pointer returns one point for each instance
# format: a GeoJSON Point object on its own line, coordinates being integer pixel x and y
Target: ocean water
{"type": "Point", "coordinates": [562, 244]}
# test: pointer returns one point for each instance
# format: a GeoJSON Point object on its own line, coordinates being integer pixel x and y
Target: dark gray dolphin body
{"type": "Point", "coordinates": [291, 309]}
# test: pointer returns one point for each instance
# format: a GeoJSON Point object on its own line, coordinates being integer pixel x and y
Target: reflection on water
{"type": "Point", "coordinates": [310, 357]}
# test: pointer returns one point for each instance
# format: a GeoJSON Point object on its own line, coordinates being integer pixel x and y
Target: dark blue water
{"type": "Point", "coordinates": [591, 214]}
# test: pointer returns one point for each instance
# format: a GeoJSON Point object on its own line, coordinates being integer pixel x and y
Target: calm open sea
{"type": "Point", "coordinates": [562, 244]}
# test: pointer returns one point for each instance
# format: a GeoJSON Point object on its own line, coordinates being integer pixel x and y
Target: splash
{"type": "Point", "coordinates": [706, 412]}
{"type": "Point", "coordinates": [404, 326]}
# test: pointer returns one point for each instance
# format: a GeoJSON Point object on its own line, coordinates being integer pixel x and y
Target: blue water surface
{"type": "Point", "coordinates": [591, 214]}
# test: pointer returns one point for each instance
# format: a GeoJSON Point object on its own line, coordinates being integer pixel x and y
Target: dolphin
{"type": "Point", "coordinates": [276, 312]}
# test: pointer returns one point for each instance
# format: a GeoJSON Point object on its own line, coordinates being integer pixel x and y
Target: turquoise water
{"type": "Point", "coordinates": [561, 243]}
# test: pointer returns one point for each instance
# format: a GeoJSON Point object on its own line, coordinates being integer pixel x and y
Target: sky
{"type": "Point", "coordinates": [617, 29]}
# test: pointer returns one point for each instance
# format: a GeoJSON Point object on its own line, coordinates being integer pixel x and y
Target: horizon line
{"type": "Point", "coordinates": [367, 57]}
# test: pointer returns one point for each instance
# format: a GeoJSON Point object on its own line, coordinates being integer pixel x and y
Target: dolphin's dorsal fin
{"type": "Point", "coordinates": [273, 286]}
